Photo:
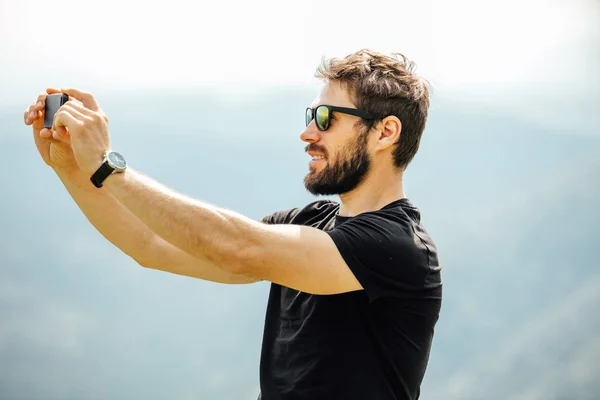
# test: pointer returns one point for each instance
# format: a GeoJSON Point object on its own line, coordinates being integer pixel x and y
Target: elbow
{"type": "Point", "coordinates": [142, 263]}
{"type": "Point", "coordinates": [239, 261]}
{"type": "Point", "coordinates": [146, 254]}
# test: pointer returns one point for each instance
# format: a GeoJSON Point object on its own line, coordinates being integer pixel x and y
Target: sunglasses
{"type": "Point", "coordinates": [322, 115]}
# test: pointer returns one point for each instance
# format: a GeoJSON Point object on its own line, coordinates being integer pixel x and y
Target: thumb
{"type": "Point", "coordinates": [87, 99]}
{"type": "Point", "coordinates": [61, 135]}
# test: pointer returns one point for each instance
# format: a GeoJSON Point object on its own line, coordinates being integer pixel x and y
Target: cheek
{"type": "Point", "coordinates": [335, 154]}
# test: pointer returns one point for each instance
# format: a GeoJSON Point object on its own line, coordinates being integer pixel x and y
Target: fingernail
{"type": "Point", "coordinates": [31, 114]}
{"type": "Point", "coordinates": [39, 104]}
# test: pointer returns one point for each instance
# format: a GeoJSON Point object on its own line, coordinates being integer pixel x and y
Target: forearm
{"type": "Point", "coordinates": [122, 228]}
{"type": "Point", "coordinates": [200, 229]}
{"type": "Point", "coordinates": [110, 218]}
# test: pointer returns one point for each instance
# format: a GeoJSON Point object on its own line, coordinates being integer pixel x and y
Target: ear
{"type": "Point", "coordinates": [388, 132]}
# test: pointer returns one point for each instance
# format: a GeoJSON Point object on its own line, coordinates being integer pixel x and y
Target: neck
{"type": "Point", "coordinates": [380, 187]}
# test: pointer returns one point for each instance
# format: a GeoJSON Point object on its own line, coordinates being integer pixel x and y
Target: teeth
{"type": "Point", "coordinates": [317, 157]}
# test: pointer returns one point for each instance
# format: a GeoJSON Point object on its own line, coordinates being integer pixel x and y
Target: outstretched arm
{"type": "Point", "coordinates": [108, 216]}
{"type": "Point", "coordinates": [118, 225]}
{"type": "Point", "coordinates": [298, 257]}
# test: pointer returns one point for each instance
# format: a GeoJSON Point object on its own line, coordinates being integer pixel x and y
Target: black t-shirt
{"type": "Point", "coordinates": [370, 344]}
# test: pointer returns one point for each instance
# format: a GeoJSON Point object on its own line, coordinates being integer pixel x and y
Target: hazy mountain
{"type": "Point", "coordinates": [512, 205]}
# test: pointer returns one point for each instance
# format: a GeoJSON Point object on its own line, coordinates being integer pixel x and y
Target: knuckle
{"type": "Point", "coordinates": [98, 118]}
{"type": "Point", "coordinates": [58, 115]}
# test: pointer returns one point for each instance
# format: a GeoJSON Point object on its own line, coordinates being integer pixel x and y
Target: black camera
{"type": "Point", "coordinates": [53, 102]}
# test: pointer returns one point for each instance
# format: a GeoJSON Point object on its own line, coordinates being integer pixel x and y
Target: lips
{"type": "Point", "coordinates": [315, 156]}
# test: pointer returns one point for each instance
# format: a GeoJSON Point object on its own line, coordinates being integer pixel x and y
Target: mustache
{"type": "Point", "coordinates": [316, 148]}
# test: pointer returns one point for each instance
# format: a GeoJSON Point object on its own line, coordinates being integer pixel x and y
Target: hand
{"type": "Point", "coordinates": [87, 126]}
{"type": "Point", "coordinates": [54, 147]}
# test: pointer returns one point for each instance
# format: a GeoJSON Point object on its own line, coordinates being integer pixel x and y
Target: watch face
{"type": "Point", "coordinates": [116, 160]}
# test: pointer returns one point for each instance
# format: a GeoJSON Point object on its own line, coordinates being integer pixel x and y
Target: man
{"type": "Point", "coordinates": [356, 288]}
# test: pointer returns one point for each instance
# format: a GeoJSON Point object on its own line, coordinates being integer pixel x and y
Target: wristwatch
{"type": "Point", "coordinates": [113, 162]}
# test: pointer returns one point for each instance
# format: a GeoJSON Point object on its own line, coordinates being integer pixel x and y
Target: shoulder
{"type": "Point", "coordinates": [301, 214]}
{"type": "Point", "coordinates": [391, 235]}
{"type": "Point", "coordinates": [394, 219]}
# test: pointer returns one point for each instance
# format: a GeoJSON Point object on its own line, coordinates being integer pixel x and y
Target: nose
{"type": "Point", "coordinates": [311, 134]}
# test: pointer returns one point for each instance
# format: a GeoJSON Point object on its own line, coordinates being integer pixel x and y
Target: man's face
{"type": "Point", "coordinates": [340, 158]}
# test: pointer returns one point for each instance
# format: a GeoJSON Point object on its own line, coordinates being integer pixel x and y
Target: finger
{"type": "Point", "coordinates": [61, 135]}
{"type": "Point", "coordinates": [31, 114]}
{"type": "Point", "coordinates": [86, 98]}
{"type": "Point", "coordinates": [33, 109]}
{"type": "Point", "coordinates": [79, 108]}
{"type": "Point", "coordinates": [40, 101]}
{"type": "Point", "coordinates": [27, 116]}
{"type": "Point", "coordinates": [65, 118]}
{"type": "Point", "coordinates": [74, 119]}
{"type": "Point", "coordinates": [60, 142]}
{"type": "Point", "coordinates": [45, 133]}
{"type": "Point", "coordinates": [83, 114]}
{"type": "Point", "coordinates": [55, 90]}
{"type": "Point", "coordinates": [51, 90]}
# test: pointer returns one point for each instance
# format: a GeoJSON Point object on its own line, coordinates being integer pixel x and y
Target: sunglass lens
{"type": "Point", "coordinates": [309, 116]}
{"type": "Point", "coordinates": [322, 118]}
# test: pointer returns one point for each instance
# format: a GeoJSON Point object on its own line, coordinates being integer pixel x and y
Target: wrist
{"type": "Point", "coordinates": [92, 168]}
{"type": "Point", "coordinates": [67, 171]}
{"type": "Point", "coordinates": [112, 163]}
{"type": "Point", "coordinates": [116, 178]}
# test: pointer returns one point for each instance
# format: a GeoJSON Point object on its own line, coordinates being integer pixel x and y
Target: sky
{"type": "Point", "coordinates": [538, 59]}
{"type": "Point", "coordinates": [541, 49]}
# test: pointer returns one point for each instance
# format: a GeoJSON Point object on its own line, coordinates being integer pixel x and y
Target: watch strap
{"type": "Point", "coordinates": [101, 174]}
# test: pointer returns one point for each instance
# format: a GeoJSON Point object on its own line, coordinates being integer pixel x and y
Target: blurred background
{"type": "Point", "coordinates": [209, 99]}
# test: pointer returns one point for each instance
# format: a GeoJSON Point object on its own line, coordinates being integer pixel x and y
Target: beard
{"type": "Point", "coordinates": [345, 173]}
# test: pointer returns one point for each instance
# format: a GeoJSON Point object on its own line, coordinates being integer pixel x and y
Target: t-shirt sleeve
{"type": "Point", "coordinates": [280, 217]}
{"type": "Point", "coordinates": [385, 254]}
